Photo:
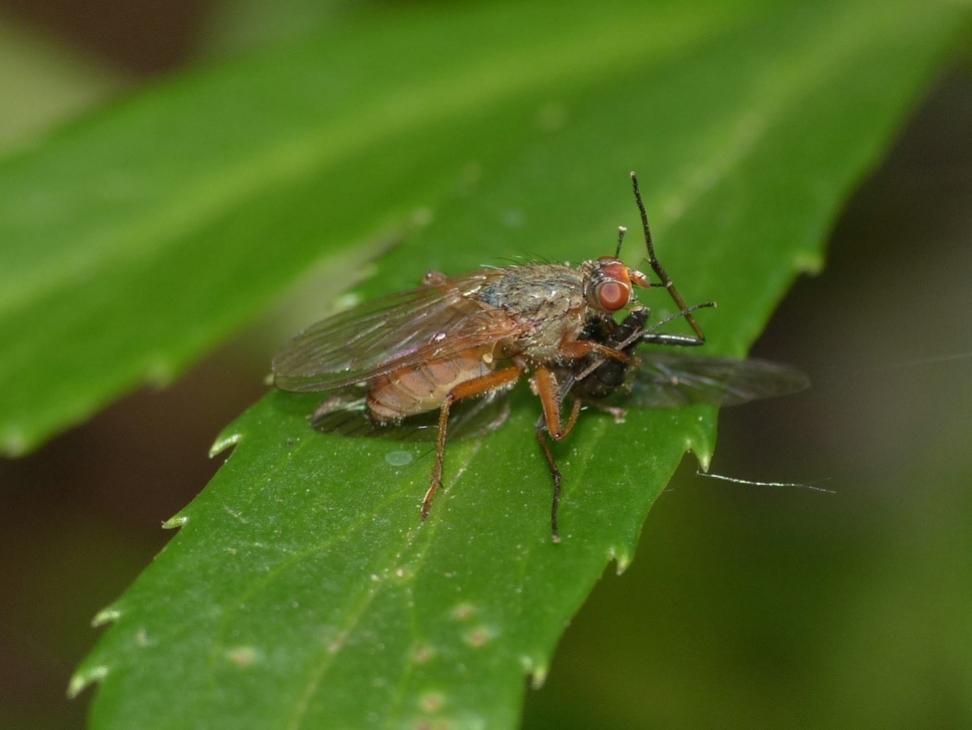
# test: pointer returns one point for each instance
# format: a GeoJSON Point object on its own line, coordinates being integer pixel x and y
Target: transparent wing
{"type": "Point", "coordinates": [389, 333]}
{"type": "Point", "coordinates": [664, 380]}
{"type": "Point", "coordinates": [346, 414]}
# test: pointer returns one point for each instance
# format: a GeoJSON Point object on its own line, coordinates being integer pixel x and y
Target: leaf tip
{"type": "Point", "coordinates": [84, 677]}
{"type": "Point", "coordinates": [621, 557]}
{"type": "Point", "coordinates": [809, 262]}
{"type": "Point", "coordinates": [224, 441]}
{"type": "Point", "coordinates": [108, 615]}
{"type": "Point", "coordinates": [176, 521]}
{"type": "Point", "coordinates": [701, 451]}
{"type": "Point", "coordinates": [159, 371]}
{"type": "Point", "coordinates": [536, 669]}
{"type": "Point", "coordinates": [704, 458]}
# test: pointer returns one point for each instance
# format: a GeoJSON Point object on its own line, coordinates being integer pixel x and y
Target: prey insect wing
{"type": "Point", "coordinates": [391, 333]}
{"type": "Point", "coordinates": [674, 380]}
{"type": "Point", "coordinates": [657, 379]}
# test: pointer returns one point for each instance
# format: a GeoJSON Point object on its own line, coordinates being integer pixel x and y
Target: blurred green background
{"type": "Point", "coordinates": [745, 606]}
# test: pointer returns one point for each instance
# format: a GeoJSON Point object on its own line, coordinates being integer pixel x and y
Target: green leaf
{"type": "Point", "coordinates": [302, 589]}
{"type": "Point", "coordinates": [224, 186]}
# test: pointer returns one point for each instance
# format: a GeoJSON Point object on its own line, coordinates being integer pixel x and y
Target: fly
{"type": "Point", "coordinates": [474, 336]}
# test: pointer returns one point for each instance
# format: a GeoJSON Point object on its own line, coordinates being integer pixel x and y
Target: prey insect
{"type": "Point", "coordinates": [656, 379]}
{"type": "Point", "coordinates": [474, 336]}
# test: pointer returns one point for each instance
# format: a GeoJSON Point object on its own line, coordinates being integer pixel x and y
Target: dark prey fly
{"type": "Point", "coordinates": [476, 335]}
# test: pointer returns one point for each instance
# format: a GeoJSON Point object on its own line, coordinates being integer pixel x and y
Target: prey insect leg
{"type": "Point", "coordinates": [550, 423]}
{"type": "Point", "coordinates": [656, 266]}
{"type": "Point", "coordinates": [656, 338]}
{"type": "Point", "coordinates": [468, 389]}
{"type": "Point", "coordinates": [652, 336]}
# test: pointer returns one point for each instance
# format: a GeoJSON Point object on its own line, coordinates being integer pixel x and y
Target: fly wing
{"type": "Point", "coordinates": [664, 380]}
{"type": "Point", "coordinates": [383, 335]}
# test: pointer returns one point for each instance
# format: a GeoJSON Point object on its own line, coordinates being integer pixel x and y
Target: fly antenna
{"type": "Point", "coordinates": [656, 266]}
{"type": "Point", "coordinates": [621, 231]}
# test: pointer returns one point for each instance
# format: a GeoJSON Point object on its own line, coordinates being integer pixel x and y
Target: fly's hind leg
{"type": "Point", "coordinates": [469, 389]}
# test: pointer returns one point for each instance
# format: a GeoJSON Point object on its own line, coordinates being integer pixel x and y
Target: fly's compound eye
{"type": "Point", "coordinates": [612, 295]}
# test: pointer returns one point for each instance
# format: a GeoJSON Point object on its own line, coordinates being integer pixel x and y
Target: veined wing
{"type": "Point", "coordinates": [383, 335]}
{"type": "Point", "coordinates": [666, 380]}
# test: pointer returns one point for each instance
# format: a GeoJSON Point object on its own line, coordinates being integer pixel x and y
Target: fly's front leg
{"type": "Point", "coordinates": [546, 387]}
{"type": "Point", "coordinates": [579, 349]}
{"type": "Point", "coordinates": [468, 389]}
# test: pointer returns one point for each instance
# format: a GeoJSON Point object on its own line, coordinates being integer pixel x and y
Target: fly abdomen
{"type": "Point", "coordinates": [424, 387]}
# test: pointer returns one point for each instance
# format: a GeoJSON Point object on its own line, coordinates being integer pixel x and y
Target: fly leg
{"type": "Point", "coordinates": [666, 280]}
{"type": "Point", "coordinates": [579, 349]}
{"type": "Point", "coordinates": [554, 474]}
{"type": "Point", "coordinates": [546, 387]}
{"type": "Point", "coordinates": [469, 389]}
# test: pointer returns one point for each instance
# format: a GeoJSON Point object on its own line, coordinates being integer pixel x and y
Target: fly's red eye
{"type": "Point", "coordinates": [612, 295]}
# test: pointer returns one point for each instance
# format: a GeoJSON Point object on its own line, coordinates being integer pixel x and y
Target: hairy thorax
{"type": "Point", "coordinates": [547, 302]}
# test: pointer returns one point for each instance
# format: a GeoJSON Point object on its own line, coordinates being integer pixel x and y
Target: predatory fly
{"type": "Point", "coordinates": [386, 361]}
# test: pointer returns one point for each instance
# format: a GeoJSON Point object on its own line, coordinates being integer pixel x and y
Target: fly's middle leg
{"type": "Point", "coordinates": [546, 386]}
{"type": "Point", "coordinates": [469, 389]}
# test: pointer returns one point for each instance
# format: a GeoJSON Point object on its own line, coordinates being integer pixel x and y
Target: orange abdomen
{"type": "Point", "coordinates": [423, 387]}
